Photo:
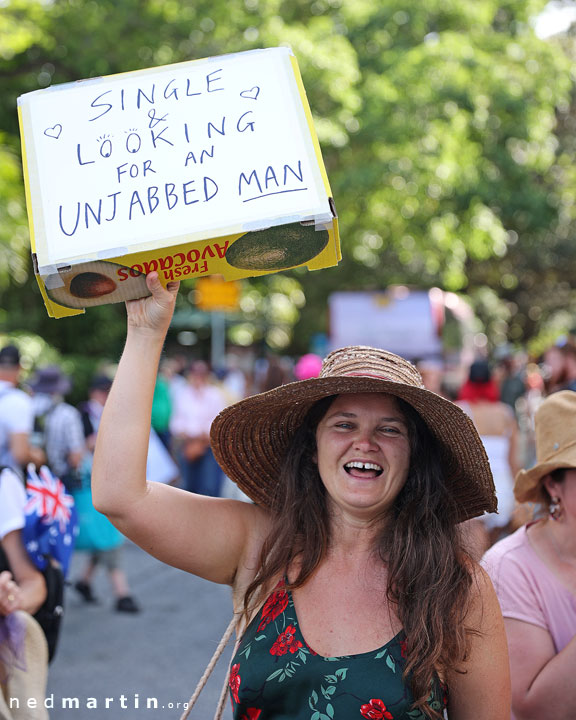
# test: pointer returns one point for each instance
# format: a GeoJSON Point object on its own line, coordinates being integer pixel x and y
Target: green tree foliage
{"type": "Point", "coordinates": [446, 126]}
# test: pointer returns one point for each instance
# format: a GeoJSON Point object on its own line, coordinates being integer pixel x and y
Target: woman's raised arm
{"type": "Point", "coordinates": [209, 537]}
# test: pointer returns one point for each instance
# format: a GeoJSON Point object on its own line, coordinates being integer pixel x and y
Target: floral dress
{"type": "Point", "coordinates": [276, 675]}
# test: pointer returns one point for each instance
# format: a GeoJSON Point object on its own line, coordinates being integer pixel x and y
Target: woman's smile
{"type": "Point", "coordinates": [363, 470]}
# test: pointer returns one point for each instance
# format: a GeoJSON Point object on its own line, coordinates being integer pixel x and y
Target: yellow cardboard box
{"type": "Point", "coordinates": [199, 168]}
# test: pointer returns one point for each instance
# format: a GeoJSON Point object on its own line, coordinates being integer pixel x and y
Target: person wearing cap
{"type": "Point", "coordinates": [16, 415]}
{"type": "Point", "coordinates": [534, 571]}
{"type": "Point", "coordinates": [354, 595]}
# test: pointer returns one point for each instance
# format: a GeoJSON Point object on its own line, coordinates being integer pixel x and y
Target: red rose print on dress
{"type": "Point", "coordinates": [286, 642]}
{"type": "Point", "coordinates": [403, 648]}
{"type": "Point", "coordinates": [274, 606]}
{"type": "Point", "coordinates": [251, 714]}
{"type": "Point", "coordinates": [234, 681]}
{"type": "Point", "coordinates": [375, 710]}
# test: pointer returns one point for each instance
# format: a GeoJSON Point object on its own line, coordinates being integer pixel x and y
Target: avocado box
{"type": "Point", "coordinates": [194, 169]}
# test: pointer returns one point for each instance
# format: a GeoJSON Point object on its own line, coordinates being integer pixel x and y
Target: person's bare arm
{"type": "Point", "coordinates": [24, 587]}
{"type": "Point", "coordinates": [75, 458]}
{"type": "Point", "coordinates": [481, 691]}
{"type": "Point", "coordinates": [209, 537]}
{"type": "Point", "coordinates": [542, 680]}
{"type": "Point", "coordinates": [23, 452]}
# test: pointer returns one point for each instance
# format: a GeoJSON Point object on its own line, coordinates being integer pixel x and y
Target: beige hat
{"type": "Point", "coordinates": [249, 439]}
{"type": "Point", "coordinates": [555, 423]}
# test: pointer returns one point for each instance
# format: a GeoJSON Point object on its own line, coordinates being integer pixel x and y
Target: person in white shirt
{"type": "Point", "coordinates": [16, 415]}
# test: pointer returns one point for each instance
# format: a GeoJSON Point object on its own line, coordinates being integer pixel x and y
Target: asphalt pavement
{"type": "Point", "coordinates": [114, 665]}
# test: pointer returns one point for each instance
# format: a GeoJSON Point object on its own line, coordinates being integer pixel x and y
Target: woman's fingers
{"type": "Point", "coordinates": [155, 286]}
{"type": "Point", "coordinates": [9, 594]}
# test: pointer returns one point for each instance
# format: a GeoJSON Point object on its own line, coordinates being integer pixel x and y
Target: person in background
{"type": "Point", "coordinates": [569, 375]}
{"type": "Point", "coordinates": [162, 405]}
{"type": "Point", "coordinates": [558, 366]}
{"type": "Point", "coordinates": [97, 536]}
{"type": "Point", "coordinates": [534, 572]}
{"type": "Point", "coordinates": [511, 382]}
{"type": "Point", "coordinates": [23, 647]}
{"type": "Point", "coordinates": [234, 383]}
{"type": "Point", "coordinates": [270, 372]}
{"type": "Point", "coordinates": [195, 407]}
{"type": "Point", "coordinates": [58, 425]}
{"type": "Point", "coordinates": [348, 570]}
{"type": "Point", "coordinates": [432, 371]}
{"type": "Point", "coordinates": [16, 416]}
{"type": "Point", "coordinates": [498, 429]}
{"type": "Point", "coordinates": [91, 409]}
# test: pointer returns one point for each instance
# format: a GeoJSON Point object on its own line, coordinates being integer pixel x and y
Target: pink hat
{"type": "Point", "coordinates": [308, 366]}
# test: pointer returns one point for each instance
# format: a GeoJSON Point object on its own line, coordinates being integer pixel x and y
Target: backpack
{"type": "Point", "coordinates": [71, 477]}
{"type": "Point", "coordinates": [48, 535]}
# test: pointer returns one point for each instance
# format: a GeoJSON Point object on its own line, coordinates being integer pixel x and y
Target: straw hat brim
{"type": "Point", "coordinates": [249, 439]}
{"type": "Point", "coordinates": [528, 484]}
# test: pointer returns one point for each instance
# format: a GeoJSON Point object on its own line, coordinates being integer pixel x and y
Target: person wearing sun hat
{"type": "Point", "coordinates": [58, 425]}
{"type": "Point", "coordinates": [534, 571]}
{"type": "Point", "coordinates": [349, 565]}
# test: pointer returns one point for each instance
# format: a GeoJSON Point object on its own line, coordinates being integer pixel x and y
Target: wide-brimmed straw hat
{"type": "Point", "coordinates": [555, 445]}
{"type": "Point", "coordinates": [249, 439]}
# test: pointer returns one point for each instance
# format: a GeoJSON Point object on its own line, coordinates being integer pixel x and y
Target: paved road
{"type": "Point", "coordinates": [136, 660]}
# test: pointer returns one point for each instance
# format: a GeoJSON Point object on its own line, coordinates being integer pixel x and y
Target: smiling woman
{"type": "Point", "coordinates": [354, 594]}
{"type": "Point", "coordinates": [363, 454]}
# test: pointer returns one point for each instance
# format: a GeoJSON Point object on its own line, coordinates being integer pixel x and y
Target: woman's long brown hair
{"type": "Point", "coordinates": [428, 570]}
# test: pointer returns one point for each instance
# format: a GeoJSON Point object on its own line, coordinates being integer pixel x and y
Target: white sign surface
{"type": "Point", "coordinates": [168, 155]}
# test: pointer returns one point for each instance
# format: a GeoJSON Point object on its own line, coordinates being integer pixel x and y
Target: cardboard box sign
{"type": "Point", "coordinates": [204, 167]}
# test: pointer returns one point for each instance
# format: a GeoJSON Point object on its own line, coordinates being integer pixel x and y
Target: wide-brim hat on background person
{"type": "Point", "coordinates": [50, 381]}
{"type": "Point", "coordinates": [250, 438]}
{"type": "Point", "coordinates": [555, 445]}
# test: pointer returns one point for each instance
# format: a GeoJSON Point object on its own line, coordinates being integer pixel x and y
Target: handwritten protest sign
{"type": "Point", "coordinates": [118, 168]}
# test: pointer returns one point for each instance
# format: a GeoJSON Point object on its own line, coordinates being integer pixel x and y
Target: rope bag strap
{"type": "Point", "coordinates": [202, 682]}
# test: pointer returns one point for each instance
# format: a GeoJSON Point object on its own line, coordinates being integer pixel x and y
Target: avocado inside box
{"type": "Point", "coordinates": [94, 283]}
{"type": "Point", "coordinates": [277, 248]}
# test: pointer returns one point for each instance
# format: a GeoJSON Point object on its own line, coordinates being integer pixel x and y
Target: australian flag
{"type": "Point", "coordinates": [51, 521]}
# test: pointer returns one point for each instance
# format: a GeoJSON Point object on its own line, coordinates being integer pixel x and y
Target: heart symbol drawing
{"type": "Point", "coordinates": [251, 94]}
{"type": "Point", "coordinates": [53, 132]}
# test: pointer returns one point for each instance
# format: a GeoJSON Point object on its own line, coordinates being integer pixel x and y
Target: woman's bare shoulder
{"type": "Point", "coordinates": [484, 608]}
